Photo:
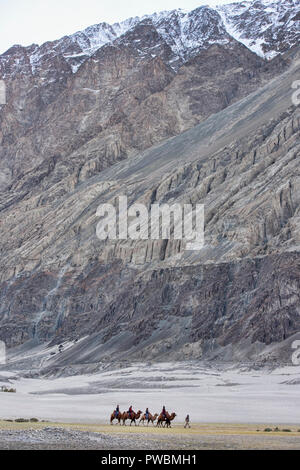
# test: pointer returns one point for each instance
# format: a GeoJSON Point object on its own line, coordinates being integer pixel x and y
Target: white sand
{"type": "Point", "coordinates": [207, 394]}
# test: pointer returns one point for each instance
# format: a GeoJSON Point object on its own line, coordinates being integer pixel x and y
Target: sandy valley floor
{"type": "Point", "coordinates": [76, 409]}
{"type": "Point", "coordinates": [205, 436]}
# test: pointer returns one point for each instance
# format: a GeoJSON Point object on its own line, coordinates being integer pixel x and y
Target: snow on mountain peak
{"type": "Point", "coordinates": [264, 26]}
{"type": "Point", "coordinates": [267, 27]}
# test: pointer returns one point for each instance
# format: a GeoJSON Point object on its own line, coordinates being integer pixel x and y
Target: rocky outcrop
{"type": "Point", "coordinates": [170, 313]}
{"type": "Point", "coordinates": [106, 113]}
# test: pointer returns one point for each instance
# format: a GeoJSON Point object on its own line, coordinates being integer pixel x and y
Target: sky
{"type": "Point", "coordinates": [36, 21]}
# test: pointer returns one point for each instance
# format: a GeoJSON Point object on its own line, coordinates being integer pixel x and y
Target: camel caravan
{"type": "Point", "coordinates": [163, 419]}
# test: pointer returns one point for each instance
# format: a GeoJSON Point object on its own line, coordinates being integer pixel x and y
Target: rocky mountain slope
{"type": "Point", "coordinates": [168, 108]}
{"type": "Point", "coordinates": [107, 92]}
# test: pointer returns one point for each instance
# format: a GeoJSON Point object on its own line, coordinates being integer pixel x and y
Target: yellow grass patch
{"type": "Point", "coordinates": [217, 429]}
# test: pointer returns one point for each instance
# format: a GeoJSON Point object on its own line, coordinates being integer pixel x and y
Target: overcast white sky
{"type": "Point", "coordinates": [36, 21]}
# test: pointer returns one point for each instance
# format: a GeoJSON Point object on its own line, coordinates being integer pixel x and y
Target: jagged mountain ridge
{"type": "Point", "coordinates": [266, 27]}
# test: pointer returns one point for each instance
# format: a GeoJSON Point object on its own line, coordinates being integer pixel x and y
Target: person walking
{"type": "Point", "coordinates": [187, 422]}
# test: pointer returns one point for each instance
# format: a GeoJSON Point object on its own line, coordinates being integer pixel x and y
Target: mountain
{"type": "Point", "coordinates": [266, 27]}
{"type": "Point", "coordinates": [189, 107]}
{"type": "Point", "coordinates": [166, 56]}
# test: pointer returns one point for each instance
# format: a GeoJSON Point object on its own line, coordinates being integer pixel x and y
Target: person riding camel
{"type": "Point", "coordinates": [130, 411]}
{"type": "Point", "coordinates": [147, 413]}
{"type": "Point", "coordinates": [164, 412]}
{"type": "Point", "coordinates": [117, 411]}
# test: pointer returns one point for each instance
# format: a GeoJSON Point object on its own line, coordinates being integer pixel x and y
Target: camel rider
{"type": "Point", "coordinates": [164, 413]}
{"type": "Point", "coordinates": [147, 413]}
{"type": "Point", "coordinates": [130, 411]}
{"type": "Point", "coordinates": [117, 411]}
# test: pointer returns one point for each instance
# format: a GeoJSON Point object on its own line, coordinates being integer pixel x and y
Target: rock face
{"type": "Point", "coordinates": [170, 108]}
{"type": "Point", "coordinates": [267, 27]}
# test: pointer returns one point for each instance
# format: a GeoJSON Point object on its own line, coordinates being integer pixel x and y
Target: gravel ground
{"type": "Point", "coordinates": [55, 438]}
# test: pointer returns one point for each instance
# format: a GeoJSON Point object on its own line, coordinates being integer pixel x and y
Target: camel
{"type": "Point", "coordinates": [113, 417]}
{"type": "Point", "coordinates": [134, 416]}
{"type": "Point", "coordinates": [167, 419]}
{"type": "Point", "coordinates": [151, 418]}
